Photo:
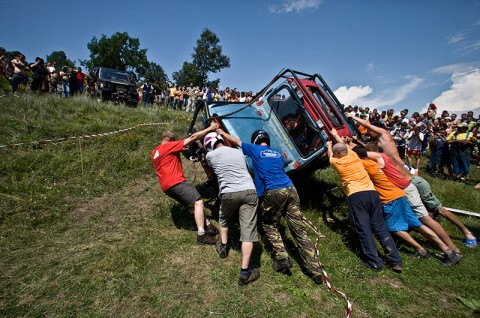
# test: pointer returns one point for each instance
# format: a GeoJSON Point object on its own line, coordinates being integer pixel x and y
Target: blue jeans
{"type": "Point", "coordinates": [366, 219]}
{"type": "Point", "coordinates": [461, 156]}
{"type": "Point", "coordinates": [65, 89]}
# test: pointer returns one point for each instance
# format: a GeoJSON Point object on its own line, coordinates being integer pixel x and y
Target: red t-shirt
{"type": "Point", "coordinates": [393, 174]}
{"type": "Point", "coordinates": [80, 77]}
{"type": "Point", "coordinates": [167, 164]}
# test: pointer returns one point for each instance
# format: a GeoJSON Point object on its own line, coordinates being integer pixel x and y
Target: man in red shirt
{"type": "Point", "coordinates": [167, 164]}
{"type": "Point", "coordinates": [79, 79]}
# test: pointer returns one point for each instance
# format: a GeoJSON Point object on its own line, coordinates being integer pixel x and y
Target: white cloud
{"type": "Point", "coordinates": [349, 95]}
{"type": "Point", "coordinates": [363, 95]}
{"type": "Point", "coordinates": [466, 41]}
{"type": "Point", "coordinates": [295, 6]}
{"type": "Point", "coordinates": [464, 94]}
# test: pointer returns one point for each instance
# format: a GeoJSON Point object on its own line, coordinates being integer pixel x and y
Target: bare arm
{"type": "Point", "coordinates": [366, 124]}
{"type": "Point", "coordinates": [375, 156]}
{"type": "Point", "coordinates": [234, 140]}
{"type": "Point", "coordinates": [335, 135]}
{"type": "Point", "coordinates": [199, 134]}
{"type": "Point", "coordinates": [329, 149]}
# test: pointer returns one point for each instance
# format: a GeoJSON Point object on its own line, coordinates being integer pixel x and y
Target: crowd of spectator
{"type": "Point", "coordinates": [449, 139]}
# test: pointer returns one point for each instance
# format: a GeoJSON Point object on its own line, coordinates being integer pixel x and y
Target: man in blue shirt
{"type": "Point", "coordinates": [280, 198]}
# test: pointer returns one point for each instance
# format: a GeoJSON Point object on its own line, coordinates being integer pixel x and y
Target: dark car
{"type": "Point", "coordinates": [298, 111]}
{"type": "Point", "coordinates": [115, 85]}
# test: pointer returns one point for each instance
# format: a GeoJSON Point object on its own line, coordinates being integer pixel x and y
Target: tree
{"type": "Point", "coordinates": [207, 56]}
{"type": "Point", "coordinates": [188, 74]}
{"type": "Point", "coordinates": [120, 51]}
{"type": "Point", "coordinates": [60, 59]}
{"type": "Point", "coordinates": [155, 73]}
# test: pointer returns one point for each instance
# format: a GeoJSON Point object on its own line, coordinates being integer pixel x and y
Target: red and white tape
{"type": "Point", "coordinates": [45, 141]}
{"type": "Point", "coordinates": [325, 275]}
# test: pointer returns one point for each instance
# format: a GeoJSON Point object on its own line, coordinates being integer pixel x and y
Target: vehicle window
{"type": "Point", "coordinates": [326, 107]}
{"type": "Point", "coordinates": [295, 121]}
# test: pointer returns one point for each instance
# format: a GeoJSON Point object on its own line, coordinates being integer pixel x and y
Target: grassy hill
{"type": "Point", "coordinates": [85, 231]}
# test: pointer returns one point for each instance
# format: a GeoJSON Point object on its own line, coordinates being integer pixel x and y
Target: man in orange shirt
{"type": "Point", "coordinates": [364, 208]}
{"type": "Point", "coordinates": [167, 164]}
{"type": "Point", "coordinates": [399, 217]}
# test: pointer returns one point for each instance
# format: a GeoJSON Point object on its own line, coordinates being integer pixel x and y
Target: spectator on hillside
{"type": "Point", "coordinates": [39, 76]}
{"type": "Point", "coordinates": [414, 146]}
{"type": "Point", "coordinates": [238, 195]}
{"type": "Point", "coordinates": [5, 64]}
{"type": "Point", "coordinates": [19, 75]}
{"type": "Point", "coordinates": [79, 79]}
{"type": "Point", "coordinates": [147, 90]}
{"type": "Point", "coordinates": [461, 144]}
{"type": "Point", "coordinates": [168, 166]}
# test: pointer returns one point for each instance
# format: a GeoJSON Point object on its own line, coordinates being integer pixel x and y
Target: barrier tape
{"type": "Point", "coordinates": [46, 141]}
{"type": "Point", "coordinates": [325, 275]}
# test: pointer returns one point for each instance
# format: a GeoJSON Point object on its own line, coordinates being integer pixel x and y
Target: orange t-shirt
{"type": "Point", "coordinates": [385, 188]}
{"type": "Point", "coordinates": [167, 164]}
{"type": "Point", "coordinates": [353, 176]}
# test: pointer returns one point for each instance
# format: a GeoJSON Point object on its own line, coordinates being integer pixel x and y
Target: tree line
{"type": "Point", "coordinates": [123, 52]}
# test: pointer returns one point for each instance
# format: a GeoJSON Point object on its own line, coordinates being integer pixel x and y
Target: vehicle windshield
{"type": "Point", "coordinates": [295, 121]}
{"type": "Point", "coordinates": [115, 75]}
{"type": "Point", "coordinates": [326, 107]}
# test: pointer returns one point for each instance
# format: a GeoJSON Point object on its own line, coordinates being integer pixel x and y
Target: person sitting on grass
{"type": "Point", "coordinates": [280, 198]}
{"type": "Point", "coordinates": [168, 166]}
{"type": "Point", "coordinates": [364, 208]}
{"type": "Point", "coordinates": [428, 199]}
{"type": "Point", "coordinates": [237, 195]}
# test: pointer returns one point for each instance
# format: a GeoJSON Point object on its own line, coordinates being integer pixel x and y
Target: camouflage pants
{"type": "Point", "coordinates": [285, 202]}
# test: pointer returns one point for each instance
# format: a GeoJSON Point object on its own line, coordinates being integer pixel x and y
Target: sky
{"type": "Point", "coordinates": [376, 53]}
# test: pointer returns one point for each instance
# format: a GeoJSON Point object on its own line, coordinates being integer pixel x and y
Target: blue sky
{"type": "Point", "coordinates": [382, 54]}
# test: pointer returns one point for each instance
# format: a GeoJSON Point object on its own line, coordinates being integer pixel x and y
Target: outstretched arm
{"type": "Point", "coordinates": [366, 124]}
{"type": "Point", "coordinates": [234, 140]}
{"type": "Point", "coordinates": [329, 149]}
{"type": "Point", "coordinates": [199, 134]}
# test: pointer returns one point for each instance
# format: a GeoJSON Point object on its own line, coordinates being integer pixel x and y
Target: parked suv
{"type": "Point", "coordinates": [115, 85]}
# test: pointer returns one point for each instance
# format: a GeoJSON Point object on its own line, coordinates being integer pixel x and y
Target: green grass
{"type": "Point", "coordinates": [85, 231]}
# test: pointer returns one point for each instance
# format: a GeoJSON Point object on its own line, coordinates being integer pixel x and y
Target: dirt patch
{"type": "Point", "coordinates": [395, 283]}
{"type": "Point", "coordinates": [135, 200]}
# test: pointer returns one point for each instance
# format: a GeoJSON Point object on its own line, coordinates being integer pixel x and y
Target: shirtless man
{"type": "Point", "coordinates": [386, 142]}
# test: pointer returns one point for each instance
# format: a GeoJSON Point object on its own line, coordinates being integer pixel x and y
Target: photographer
{"type": "Point", "coordinates": [400, 135]}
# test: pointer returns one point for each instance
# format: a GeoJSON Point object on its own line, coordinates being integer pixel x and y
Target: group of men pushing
{"type": "Point", "coordinates": [382, 196]}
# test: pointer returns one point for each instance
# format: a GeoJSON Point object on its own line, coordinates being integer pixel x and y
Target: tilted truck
{"type": "Point", "coordinates": [296, 109]}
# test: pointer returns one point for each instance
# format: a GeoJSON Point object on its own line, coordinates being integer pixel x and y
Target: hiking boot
{"type": "Point", "coordinates": [421, 255]}
{"type": "Point", "coordinates": [451, 259]}
{"type": "Point", "coordinates": [221, 249]}
{"type": "Point", "coordinates": [282, 265]}
{"type": "Point", "coordinates": [254, 275]}
{"type": "Point", "coordinates": [397, 268]}
{"type": "Point", "coordinates": [206, 239]}
{"type": "Point", "coordinates": [211, 229]}
{"type": "Point", "coordinates": [318, 279]}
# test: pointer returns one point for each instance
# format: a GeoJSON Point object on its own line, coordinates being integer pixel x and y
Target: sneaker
{"type": "Point", "coordinates": [206, 239]}
{"type": "Point", "coordinates": [211, 229]}
{"type": "Point", "coordinates": [254, 275]}
{"type": "Point", "coordinates": [282, 266]}
{"type": "Point", "coordinates": [452, 259]}
{"type": "Point", "coordinates": [221, 249]}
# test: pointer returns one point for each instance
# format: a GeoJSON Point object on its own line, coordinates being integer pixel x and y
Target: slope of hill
{"type": "Point", "coordinates": [85, 231]}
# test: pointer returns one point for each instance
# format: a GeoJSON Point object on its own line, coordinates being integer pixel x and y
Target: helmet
{"type": "Point", "coordinates": [211, 140]}
{"type": "Point", "coordinates": [260, 135]}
